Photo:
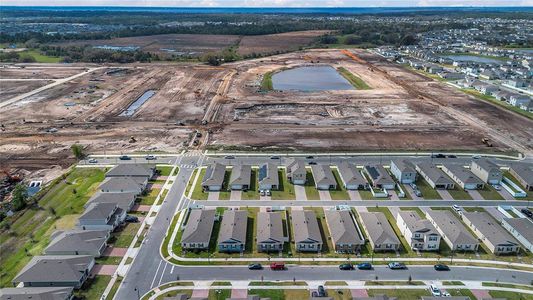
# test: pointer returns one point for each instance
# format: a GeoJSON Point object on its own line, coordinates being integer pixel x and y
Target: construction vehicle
{"type": "Point", "coordinates": [132, 140]}
{"type": "Point", "coordinates": [486, 141]}
{"type": "Point", "coordinates": [11, 178]}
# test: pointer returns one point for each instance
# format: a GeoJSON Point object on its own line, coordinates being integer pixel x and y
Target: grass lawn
{"type": "Point", "coordinates": [225, 194]}
{"type": "Point", "coordinates": [124, 237]}
{"type": "Point", "coordinates": [340, 294]}
{"type": "Point", "coordinates": [489, 193]}
{"type": "Point", "coordinates": [114, 288]}
{"type": "Point", "coordinates": [510, 295]}
{"type": "Point", "coordinates": [508, 285]}
{"type": "Point", "coordinates": [461, 292]}
{"type": "Point", "coordinates": [197, 192]}
{"type": "Point", "coordinates": [149, 198]}
{"type": "Point", "coordinates": [109, 260]}
{"type": "Point", "coordinates": [219, 294]}
{"type": "Point", "coordinates": [189, 184]}
{"type": "Point", "coordinates": [340, 192]}
{"type": "Point", "coordinates": [286, 188]}
{"type": "Point", "coordinates": [279, 294]}
{"type": "Point", "coordinates": [266, 83]}
{"type": "Point", "coordinates": [253, 192]}
{"type": "Point", "coordinates": [93, 288]}
{"type": "Point", "coordinates": [357, 82]}
{"type": "Point", "coordinates": [40, 58]}
{"type": "Point", "coordinates": [452, 283]}
{"type": "Point", "coordinates": [513, 179]}
{"type": "Point", "coordinates": [459, 194]}
{"type": "Point", "coordinates": [400, 294]}
{"type": "Point", "coordinates": [165, 171]}
{"type": "Point", "coordinates": [310, 189]}
{"type": "Point", "coordinates": [29, 230]}
{"type": "Point", "coordinates": [427, 191]}
{"type": "Point", "coordinates": [174, 293]}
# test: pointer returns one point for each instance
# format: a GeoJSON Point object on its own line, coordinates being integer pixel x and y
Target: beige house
{"type": "Point", "coordinates": [452, 230]}
{"type": "Point", "coordinates": [306, 232]}
{"type": "Point", "coordinates": [486, 170]}
{"type": "Point", "coordinates": [492, 234]}
{"type": "Point", "coordinates": [380, 233]}
{"type": "Point", "coordinates": [419, 232]}
{"type": "Point", "coordinates": [269, 236]}
{"type": "Point", "coordinates": [345, 234]}
{"type": "Point", "coordinates": [197, 232]}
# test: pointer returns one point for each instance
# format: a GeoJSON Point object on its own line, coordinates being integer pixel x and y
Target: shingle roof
{"type": "Point", "coordinates": [490, 228]}
{"type": "Point", "coordinates": [350, 175]}
{"type": "Point", "coordinates": [296, 165]}
{"type": "Point", "coordinates": [269, 227]}
{"type": "Point", "coordinates": [486, 164]}
{"type": "Point", "coordinates": [268, 174]}
{"type": "Point", "coordinates": [241, 175]}
{"type": "Point", "coordinates": [524, 171]}
{"type": "Point", "coordinates": [434, 174]}
{"type": "Point", "coordinates": [36, 293]}
{"type": "Point", "coordinates": [379, 175]}
{"type": "Point", "coordinates": [378, 228]}
{"type": "Point", "coordinates": [199, 226]}
{"type": "Point", "coordinates": [523, 226]}
{"type": "Point", "coordinates": [214, 174]}
{"type": "Point", "coordinates": [121, 184]}
{"type": "Point", "coordinates": [127, 170]}
{"type": "Point", "coordinates": [465, 175]}
{"type": "Point", "coordinates": [55, 268]}
{"type": "Point", "coordinates": [451, 227]}
{"type": "Point", "coordinates": [98, 211]}
{"type": "Point", "coordinates": [77, 240]}
{"type": "Point", "coordinates": [123, 200]}
{"type": "Point", "coordinates": [342, 227]}
{"type": "Point", "coordinates": [305, 226]}
{"type": "Point", "coordinates": [415, 223]}
{"type": "Point", "coordinates": [323, 175]}
{"type": "Point", "coordinates": [404, 166]}
{"type": "Point", "coordinates": [233, 227]}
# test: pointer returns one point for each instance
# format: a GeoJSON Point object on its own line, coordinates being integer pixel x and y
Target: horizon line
{"type": "Point", "coordinates": [270, 7]}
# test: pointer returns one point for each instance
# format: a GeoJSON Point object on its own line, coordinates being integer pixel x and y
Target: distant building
{"type": "Point", "coordinates": [57, 271]}
{"type": "Point", "coordinates": [240, 177]}
{"type": "Point", "coordinates": [134, 185]}
{"type": "Point", "coordinates": [124, 201]}
{"type": "Point", "coordinates": [351, 177]}
{"type": "Point", "coordinates": [78, 242]}
{"type": "Point", "coordinates": [268, 177]}
{"type": "Point", "coordinates": [132, 170]}
{"type": "Point", "coordinates": [101, 216]}
{"type": "Point", "coordinates": [486, 170]}
{"type": "Point", "coordinates": [434, 176]}
{"type": "Point", "coordinates": [487, 229]}
{"type": "Point", "coordinates": [463, 177]}
{"type": "Point", "coordinates": [307, 235]}
{"type": "Point", "coordinates": [232, 234]}
{"type": "Point", "coordinates": [214, 177]}
{"type": "Point", "coordinates": [452, 231]}
{"type": "Point", "coordinates": [403, 170]}
{"type": "Point", "coordinates": [419, 232]}
{"type": "Point", "coordinates": [37, 293]}
{"type": "Point", "coordinates": [343, 231]}
{"type": "Point", "coordinates": [323, 176]}
{"type": "Point", "coordinates": [379, 232]}
{"type": "Point", "coordinates": [269, 236]}
{"type": "Point", "coordinates": [296, 172]}
{"type": "Point", "coordinates": [197, 232]}
{"type": "Point", "coordinates": [521, 229]}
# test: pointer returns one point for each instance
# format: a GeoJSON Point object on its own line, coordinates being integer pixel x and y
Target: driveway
{"type": "Point", "coordinates": [235, 195]}
{"type": "Point", "coordinates": [116, 252]}
{"type": "Point", "coordinates": [493, 211]}
{"type": "Point", "coordinates": [394, 195]}
{"type": "Point", "coordinates": [324, 195]}
{"type": "Point", "coordinates": [200, 293]}
{"type": "Point", "coordinates": [138, 207]}
{"type": "Point", "coordinates": [359, 293]}
{"type": "Point", "coordinates": [445, 195]}
{"type": "Point", "coordinates": [411, 192]}
{"type": "Point", "coordinates": [299, 191]}
{"type": "Point", "coordinates": [394, 210]}
{"type": "Point", "coordinates": [506, 195]}
{"type": "Point", "coordinates": [239, 294]}
{"type": "Point", "coordinates": [213, 195]}
{"type": "Point", "coordinates": [354, 195]}
{"type": "Point", "coordinates": [104, 269]}
{"type": "Point", "coordinates": [476, 195]}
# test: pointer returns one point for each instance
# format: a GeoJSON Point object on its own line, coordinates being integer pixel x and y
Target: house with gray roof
{"type": "Point", "coordinates": [268, 177]}
{"type": "Point", "coordinates": [463, 177]}
{"type": "Point", "coordinates": [524, 174]}
{"type": "Point", "coordinates": [78, 242]}
{"type": "Point", "coordinates": [132, 170]}
{"type": "Point", "coordinates": [344, 232]}
{"type": "Point", "coordinates": [241, 176]}
{"type": "Point", "coordinates": [379, 232]}
{"type": "Point", "coordinates": [434, 176]}
{"type": "Point", "coordinates": [135, 185]}
{"type": "Point", "coordinates": [59, 271]}
{"type": "Point", "coordinates": [214, 177]}
{"type": "Point", "coordinates": [269, 236]}
{"type": "Point", "coordinates": [296, 171]}
{"type": "Point", "coordinates": [101, 216]}
{"type": "Point", "coordinates": [379, 177]}
{"type": "Point", "coordinates": [125, 201]}
{"type": "Point", "coordinates": [452, 230]}
{"type": "Point", "coordinates": [403, 170]}
{"type": "Point", "coordinates": [521, 229]}
{"type": "Point", "coordinates": [232, 234]}
{"type": "Point", "coordinates": [197, 232]}
{"type": "Point", "coordinates": [492, 234]}
{"type": "Point", "coordinates": [351, 177]}
{"type": "Point", "coordinates": [323, 176]}
{"type": "Point", "coordinates": [419, 232]}
{"type": "Point", "coordinates": [36, 293]}
{"type": "Point", "coordinates": [306, 232]}
{"type": "Point", "coordinates": [486, 170]}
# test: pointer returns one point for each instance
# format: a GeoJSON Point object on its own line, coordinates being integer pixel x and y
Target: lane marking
{"type": "Point", "coordinates": [156, 271]}
{"type": "Point", "coordinates": [162, 274]}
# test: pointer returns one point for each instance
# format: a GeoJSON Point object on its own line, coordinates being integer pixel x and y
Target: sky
{"type": "Point", "coordinates": [269, 3]}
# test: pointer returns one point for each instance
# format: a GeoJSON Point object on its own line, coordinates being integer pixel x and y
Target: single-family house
{"type": "Point", "coordinates": [37, 293]}
{"type": "Point", "coordinates": [463, 177]}
{"type": "Point", "coordinates": [344, 232]}
{"type": "Point", "coordinates": [214, 177]}
{"type": "Point", "coordinates": [419, 232]}
{"type": "Point", "coordinates": [268, 177]}
{"type": "Point", "coordinates": [101, 216]}
{"type": "Point", "coordinates": [403, 170]}
{"type": "Point", "coordinates": [379, 232]}
{"type": "Point", "coordinates": [524, 174]}
{"type": "Point", "coordinates": [132, 170]}
{"type": "Point", "coordinates": [351, 178]}
{"type": "Point", "coordinates": [434, 176]}
{"type": "Point", "coordinates": [296, 172]}
{"type": "Point", "coordinates": [502, 95]}
{"type": "Point", "coordinates": [521, 229]}
{"type": "Point", "coordinates": [492, 234]}
{"type": "Point", "coordinates": [452, 231]}
{"type": "Point", "coordinates": [232, 234]}
{"type": "Point", "coordinates": [240, 177]}
{"type": "Point", "coordinates": [197, 232]}
{"type": "Point", "coordinates": [486, 170]}
{"type": "Point", "coordinates": [55, 270]}
{"type": "Point", "coordinates": [519, 99]}
{"type": "Point", "coordinates": [135, 185]}
{"type": "Point", "coordinates": [78, 242]}
{"type": "Point", "coordinates": [379, 177]}
{"type": "Point", "coordinates": [269, 236]}
{"type": "Point", "coordinates": [307, 235]}
{"type": "Point", "coordinates": [125, 201]}
{"type": "Point", "coordinates": [324, 178]}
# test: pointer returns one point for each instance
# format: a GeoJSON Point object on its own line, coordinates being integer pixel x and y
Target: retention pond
{"type": "Point", "coordinates": [138, 103]}
{"type": "Point", "coordinates": [310, 79]}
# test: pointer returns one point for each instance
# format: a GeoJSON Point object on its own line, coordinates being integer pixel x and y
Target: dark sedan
{"type": "Point", "coordinates": [255, 267]}
{"type": "Point", "coordinates": [441, 267]}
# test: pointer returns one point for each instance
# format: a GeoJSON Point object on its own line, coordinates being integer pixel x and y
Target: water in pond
{"type": "Point", "coordinates": [135, 105]}
{"type": "Point", "coordinates": [473, 58]}
{"type": "Point", "coordinates": [309, 79]}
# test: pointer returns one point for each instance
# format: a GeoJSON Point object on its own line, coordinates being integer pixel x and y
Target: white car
{"type": "Point", "coordinates": [435, 291]}
{"type": "Point", "coordinates": [496, 187]}
{"type": "Point", "coordinates": [457, 208]}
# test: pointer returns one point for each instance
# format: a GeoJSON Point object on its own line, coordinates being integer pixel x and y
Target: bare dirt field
{"type": "Point", "coordinates": [12, 88]}
{"type": "Point", "coordinates": [278, 43]}
{"type": "Point", "coordinates": [402, 111]}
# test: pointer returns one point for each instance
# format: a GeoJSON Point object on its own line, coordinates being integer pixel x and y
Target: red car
{"type": "Point", "coordinates": [277, 266]}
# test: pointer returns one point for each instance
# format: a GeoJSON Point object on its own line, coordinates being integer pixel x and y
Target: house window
{"type": "Point", "coordinates": [433, 238]}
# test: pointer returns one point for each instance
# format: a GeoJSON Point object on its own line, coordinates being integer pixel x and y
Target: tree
{"type": "Point", "coordinates": [407, 40]}
{"type": "Point", "coordinates": [212, 59]}
{"type": "Point", "coordinates": [20, 197]}
{"type": "Point", "coordinates": [77, 150]}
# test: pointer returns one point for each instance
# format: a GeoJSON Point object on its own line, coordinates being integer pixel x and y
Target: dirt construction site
{"type": "Point", "coordinates": [45, 108]}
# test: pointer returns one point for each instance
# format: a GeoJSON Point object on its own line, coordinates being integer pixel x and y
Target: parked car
{"type": "Point", "coordinates": [262, 192]}
{"type": "Point", "coordinates": [527, 212]}
{"type": "Point", "coordinates": [131, 219]}
{"type": "Point", "coordinates": [435, 291]}
{"type": "Point", "coordinates": [124, 157]}
{"type": "Point", "coordinates": [497, 187]}
{"type": "Point", "coordinates": [310, 157]}
{"type": "Point", "coordinates": [440, 155]}
{"type": "Point", "coordinates": [397, 266]}
{"type": "Point", "coordinates": [150, 157]}
{"type": "Point", "coordinates": [268, 193]}
{"type": "Point", "coordinates": [277, 266]}
{"type": "Point", "coordinates": [93, 161]}
{"type": "Point", "coordinates": [312, 163]}
{"type": "Point", "coordinates": [457, 208]}
{"type": "Point", "coordinates": [346, 267]}
{"type": "Point", "coordinates": [452, 156]}
{"type": "Point", "coordinates": [255, 266]}
{"type": "Point", "coordinates": [364, 266]}
{"type": "Point", "coordinates": [476, 156]}
{"type": "Point", "coordinates": [274, 157]}
{"type": "Point", "coordinates": [229, 157]}
{"type": "Point", "coordinates": [321, 291]}
{"type": "Point", "coordinates": [441, 267]}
